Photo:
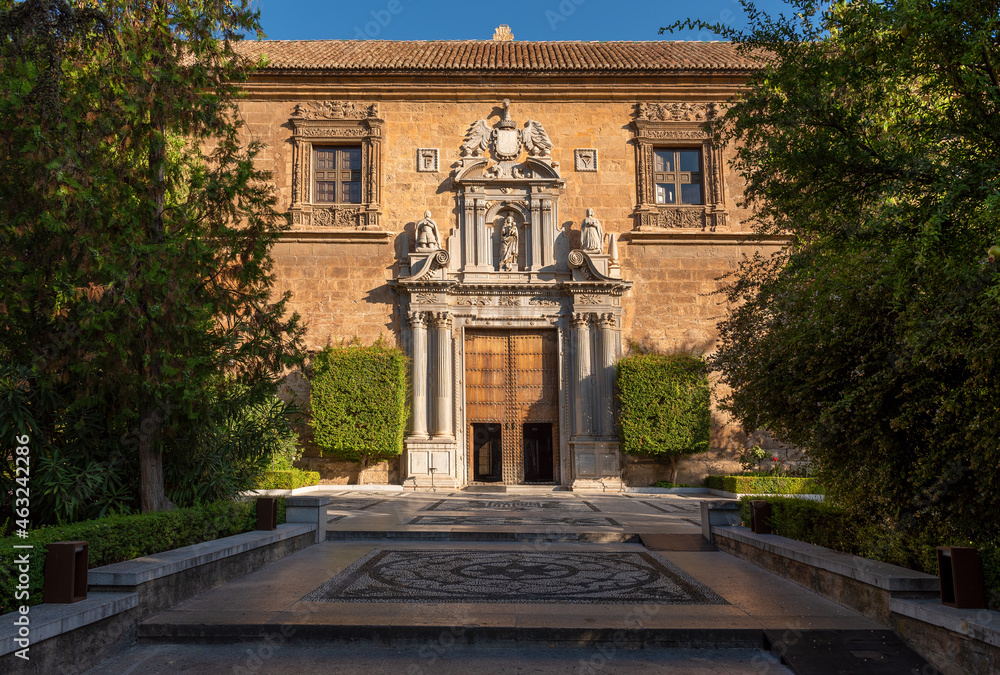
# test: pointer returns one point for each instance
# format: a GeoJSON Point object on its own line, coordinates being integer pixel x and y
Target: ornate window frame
{"type": "Point", "coordinates": [677, 124]}
{"type": "Point", "coordinates": [333, 123]}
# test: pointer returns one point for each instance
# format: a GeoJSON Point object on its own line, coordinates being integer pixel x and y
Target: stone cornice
{"type": "Point", "coordinates": [337, 236]}
{"type": "Point", "coordinates": [291, 86]}
{"type": "Point", "coordinates": [681, 236]}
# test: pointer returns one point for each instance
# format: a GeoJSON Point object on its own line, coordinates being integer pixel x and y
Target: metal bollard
{"type": "Point", "coordinates": [760, 511]}
{"type": "Point", "coordinates": [65, 572]}
{"type": "Point", "coordinates": [961, 574]}
{"type": "Point", "coordinates": [267, 513]}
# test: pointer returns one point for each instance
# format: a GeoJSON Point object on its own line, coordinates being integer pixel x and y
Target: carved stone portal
{"type": "Point", "coordinates": [508, 273]}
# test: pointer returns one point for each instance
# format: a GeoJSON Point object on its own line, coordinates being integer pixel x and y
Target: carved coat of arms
{"type": "Point", "coordinates": [507, 140]}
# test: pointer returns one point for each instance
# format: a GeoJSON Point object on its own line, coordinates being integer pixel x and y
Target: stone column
{"type": "Point", "coordinates": [442, 427]}
{"type": "Point", "coordinates": [609, 357]}
{"type": "Point", "coordinates": [418, 325]}
{"type": "Point", "coordinates": [583, 372]}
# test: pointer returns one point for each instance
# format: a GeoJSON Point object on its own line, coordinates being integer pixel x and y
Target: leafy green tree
{"type": "Point", "coordinates": [135, 228]}
{"type": "Point", "coordinates": [870, 138]}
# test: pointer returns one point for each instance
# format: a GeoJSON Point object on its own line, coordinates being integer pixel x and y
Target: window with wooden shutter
{"type": "Point", "coordinates": [337, 175]}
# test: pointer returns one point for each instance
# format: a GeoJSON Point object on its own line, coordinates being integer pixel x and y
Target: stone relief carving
{"type": "Point", "coordinates": [426, 297]}
{"type": "Point", "coordinates": [474, 301]}
{"type": "Point", "coordinates": [544, 301]}
{"type": "Point", "coordinates": [674, 134]}
{"type": "Point", "coordinates": [313, 132]}
{"type": "Point", "coordinates": [428, 238]}
{"type": "Point", "coordinates": [591, 234]}
{"type": "Point", "coordinates": [510, 301]}
{"type": "Point", "coordinates": [678, 111]}
{"type": "Point", "coordinates": [332, 110]}
{"type": "Point", "coordinates": [344, 217]}
{"type": "Point", "coordinates": [589, 299]}
{"type": "Point", "coordinates": [685, 218]}
{"type": "Point", "coordinates": [585, 159]}
{"type": "Point", "coordinates": [427, 160]}
{"type": "Point", "coordinates": [506, 141]}
{"type": "Point", "coordinates": [681, 218]}
{"type": "Point", "coordinates": [508, 251]}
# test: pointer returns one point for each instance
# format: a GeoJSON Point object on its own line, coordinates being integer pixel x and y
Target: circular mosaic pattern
{"type": "Point", "coordinates": [513, 576]}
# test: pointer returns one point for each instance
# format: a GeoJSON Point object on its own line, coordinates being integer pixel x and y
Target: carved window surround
{"type": "Point", "coordinates": [332, 123]}
{"type": "Point", "coordinates": [677, 124]}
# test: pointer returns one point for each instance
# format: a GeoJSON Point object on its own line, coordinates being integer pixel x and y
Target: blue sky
{"type": "Point", "coordinates": [528, 20]}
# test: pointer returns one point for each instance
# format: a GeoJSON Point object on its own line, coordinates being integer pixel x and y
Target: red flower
{"type": "Point", "coordinates": [774, 459]}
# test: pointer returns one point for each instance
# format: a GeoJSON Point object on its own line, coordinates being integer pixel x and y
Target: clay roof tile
{"type": "Point", "coordinates": [508, 56]}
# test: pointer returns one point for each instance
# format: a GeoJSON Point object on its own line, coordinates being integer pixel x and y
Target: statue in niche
{"type": "Point", "coordinates": [508, 245]}
{"type": "Point", "coordinates": [427, 234]}
{"type": "Point", "coordinates": [591, 234]}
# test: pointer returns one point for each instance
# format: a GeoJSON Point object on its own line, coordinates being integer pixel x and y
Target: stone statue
{"type": "Point", "coordinates": [427, 234]}
{"type": "Point", "coordinates": [591, 234]}
{"type": "Point", "coordinates": [508, 245]}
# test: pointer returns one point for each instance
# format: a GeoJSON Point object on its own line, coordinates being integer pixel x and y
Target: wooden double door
{"type": "Point", "coordinates": [511, 404]}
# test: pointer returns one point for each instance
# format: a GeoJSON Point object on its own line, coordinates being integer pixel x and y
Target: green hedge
{"type": "Point", "coordinates": [358, 402]}
{"type": "Point", "coordinates": [288, 480]}
{"type": "Point", "coordinates": [118, 538]}
{"type": "Point", "coordinates": [830, 526]}
{"type": "Point", "coordinates": [663, 405]}
{"type": "Point", "coordinates": [775, 485]}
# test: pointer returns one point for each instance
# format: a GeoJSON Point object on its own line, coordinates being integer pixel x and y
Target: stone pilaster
{"type": "Point", "coordinates": [441, 369]}
{"type": "Point", "coordinates": [583, 371]}
{"type": "Point", "coordinates": [419, 327]}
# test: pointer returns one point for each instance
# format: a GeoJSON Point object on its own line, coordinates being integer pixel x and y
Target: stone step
{"type": "Point", "coordinates": [837, 652]}
{"type": "Point", "coordinates": [403, 635]}
{"type": "Point", "coordinates": [486, 535]}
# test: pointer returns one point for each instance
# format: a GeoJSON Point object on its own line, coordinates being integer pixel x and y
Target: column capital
{"type": "Point", "coordinates": [417, 319]}
{"type": "Point", "coordinates": [580, 319]}
{"type": "Point", "coordinates": [440, 319]}
{"type": "Point", "coordinates": [607, 321]}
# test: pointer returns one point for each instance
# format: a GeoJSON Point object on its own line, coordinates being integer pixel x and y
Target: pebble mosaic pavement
{"type": "Point", "coordinates": [391, 575]}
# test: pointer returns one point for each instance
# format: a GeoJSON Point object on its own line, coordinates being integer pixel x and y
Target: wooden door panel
{"type": "Point", "coordinates": [512, 378]}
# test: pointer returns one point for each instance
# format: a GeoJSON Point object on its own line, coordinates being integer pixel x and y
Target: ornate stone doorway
{"type": "Point", "coordinates": [512, 407]}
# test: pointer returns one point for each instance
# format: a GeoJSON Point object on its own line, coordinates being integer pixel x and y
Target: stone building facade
{"type": "Point", "coordinates": [513, 214]}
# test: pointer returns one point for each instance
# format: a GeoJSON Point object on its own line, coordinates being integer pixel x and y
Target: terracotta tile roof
{"type": "Point", "coordinates": [497, 56]}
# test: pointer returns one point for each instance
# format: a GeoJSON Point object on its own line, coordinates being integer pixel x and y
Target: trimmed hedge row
{"type": "Point", "coordinates": [118, 538]}
{"type": "Point", "coordinates": [826, 525]}
{"type": "Point", "coordinates": [663, 406]}
{"type": "Point", "coordinates": [775, 485]}
{"type": "Point", "coordinates": [358, 400]}
{"type": "Point", "coordinates": [287, 480]}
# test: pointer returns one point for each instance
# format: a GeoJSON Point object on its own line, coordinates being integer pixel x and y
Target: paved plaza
{"type": "Point", "coordinates": [460, 582]}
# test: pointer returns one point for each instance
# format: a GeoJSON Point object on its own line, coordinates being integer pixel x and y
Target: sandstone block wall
{"type": "Point", "coordinates": [341, 287]}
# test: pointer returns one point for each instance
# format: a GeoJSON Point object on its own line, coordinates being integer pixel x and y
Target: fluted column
{"type": "Point", "coordinates": [609, 357]}
{"type": "Point", "coordinates": [583, 372]}
{"type": "Point", "coordinates": [418, 326]}
{"type": "Point", "coordinates": [442, 427]}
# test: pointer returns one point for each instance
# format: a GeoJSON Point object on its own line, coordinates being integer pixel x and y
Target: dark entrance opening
{"type": "Point", "coordinates": [487, 452]}
{"type": "Point", "coordinates": [537, 444]}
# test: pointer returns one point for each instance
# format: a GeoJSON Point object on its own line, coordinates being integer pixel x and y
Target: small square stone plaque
{"type": "Point", "coordinates": [586, 159]}
{"type": "Point", "coordinates": [427, 160]}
